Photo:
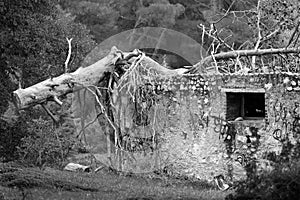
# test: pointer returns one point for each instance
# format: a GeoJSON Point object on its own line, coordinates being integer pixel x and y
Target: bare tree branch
{"type": "Point", "coordinates": [270, 35]}
{"type": "Point", "coordinates": [259, 32]}
{"type": "Point", "coordinates": [239, 53]}
{"type": "Point", "coordinates": [56, 100]}
{"type": "Point", "coordinates": [53, 117]}
{"type": "Point", "coordinates": [293, 34]}
{"type": "Point", "coordinates": [214, 35]}
{"type": "Point", "coordinates": [69, 54]}
{"type": "Point", "coordinates": [226, 13]}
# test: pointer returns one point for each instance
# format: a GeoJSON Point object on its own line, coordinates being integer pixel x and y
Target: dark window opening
{"type": "Point", "coordinates": [248, 106]}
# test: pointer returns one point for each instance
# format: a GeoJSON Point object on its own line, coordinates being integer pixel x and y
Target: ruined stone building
{"type": "Point", "coordinates": [207, 125]}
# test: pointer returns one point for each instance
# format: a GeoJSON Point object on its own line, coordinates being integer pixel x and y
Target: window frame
{"type": "Point", "coordinates": [243, 92]}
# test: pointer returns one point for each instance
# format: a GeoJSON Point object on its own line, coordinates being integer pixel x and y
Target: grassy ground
{"type": "Point", "coordinates": [114, 186]}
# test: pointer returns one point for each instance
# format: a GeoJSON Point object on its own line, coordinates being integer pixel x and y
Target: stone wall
{"type": "Point", "coordinates": [189, 119]}
{"type": "Point", "coordinates": [200, 142]}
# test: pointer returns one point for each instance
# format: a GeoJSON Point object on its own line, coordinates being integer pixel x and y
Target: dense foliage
{"type": "Point", "coordinates": [33, 38]}
{"type": "Point", "coordinates": [33, 47]}
{"type": "Point", "coordinates": [10, 139]}
{"type": "Point", "coordinates": [107, 17]}
{"type": "Point", "coordinates": [45, 145]}
{"type": "Point", "coordinates": [281, 183]}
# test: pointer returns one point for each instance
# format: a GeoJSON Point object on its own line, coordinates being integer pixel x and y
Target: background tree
{"type": "Point", "coordinates": [108, 17]}
{"type": "Point", "coordinates": [33, 47]}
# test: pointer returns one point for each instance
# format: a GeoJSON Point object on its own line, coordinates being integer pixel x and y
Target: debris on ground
{"type": "Point", "coordinates": [74, 167]}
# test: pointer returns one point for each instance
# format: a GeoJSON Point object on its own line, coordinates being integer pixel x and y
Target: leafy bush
{"type": "Point", "coordinates": [10, 138]}
{"type": "Point", "coordinates": [46, 145]}
{"type": "Point", "coordinates": [282, 183]}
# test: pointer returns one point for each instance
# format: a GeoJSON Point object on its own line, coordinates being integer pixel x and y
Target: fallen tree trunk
{"type": "Point", "coordinates": [199, 67]}
{"type": "Point", "coordinates": [51, 89]}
